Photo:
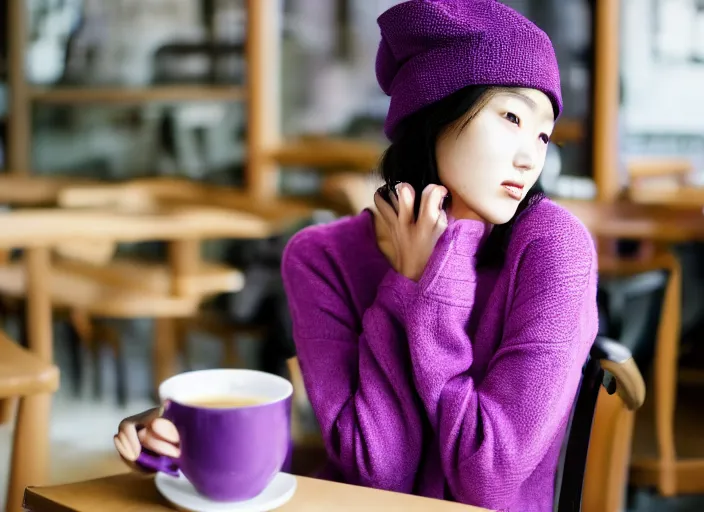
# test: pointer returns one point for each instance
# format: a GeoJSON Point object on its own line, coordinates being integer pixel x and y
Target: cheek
{"type": "Point", "coordinates": [464, 160]}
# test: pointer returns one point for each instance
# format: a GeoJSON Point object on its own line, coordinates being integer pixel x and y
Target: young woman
{"type": "Point", "coordinates": [441, 335]}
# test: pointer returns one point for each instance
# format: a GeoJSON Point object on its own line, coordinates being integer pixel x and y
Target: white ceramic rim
{"type": "Point", "coordinates": [198, 384]}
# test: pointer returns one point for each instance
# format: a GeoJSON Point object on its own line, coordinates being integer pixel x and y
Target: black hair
{"type": "Point", "coordinates": [411, 159]}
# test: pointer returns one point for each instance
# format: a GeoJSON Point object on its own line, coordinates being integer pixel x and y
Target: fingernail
{"type": "Point", "coordinates": [398, 188]}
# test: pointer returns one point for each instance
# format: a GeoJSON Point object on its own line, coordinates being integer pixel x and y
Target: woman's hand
{"type": "Point", "coordinates": [146, 430]}
{"type": "Point", "coordinates": [413, 241]}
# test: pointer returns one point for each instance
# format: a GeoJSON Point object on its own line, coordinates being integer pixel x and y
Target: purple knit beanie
{"type": "Point", "coordinates": [432, 48]}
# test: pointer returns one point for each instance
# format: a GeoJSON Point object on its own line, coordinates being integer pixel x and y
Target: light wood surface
{"type": "Point", "coordinates": [651, 167]}
{"type": "Point", "coordinates": [144, 195]}
{"type": "Point", "coordinates": [16, 189]}
{"type": "Point", "coordinates": [22, 373]}
{"type": "Point", "coordinates": [685, 197]}
{"type": "Point", "coordinates": [624, 219]}
{"type": "Point", "coordinates": [86, 293]}
{"type": "Point", "coordinates": [327, 152]}
{"type": "Point", "coordinates": [130, 95]}
{"type": "Point", "coordinates": [51, 226]}
{"type": "Point", "coordinates": [136, 492]}
{"type": "Point", "coordinates": [205, 279]}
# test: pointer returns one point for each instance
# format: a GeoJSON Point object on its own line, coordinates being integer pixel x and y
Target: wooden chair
{"type": "Point", "coordinates": [88, 283]}
{"type": "Point", "coordinates": [25, 376]}
{"type": "Point", "coordinates": [654, 460]}
{"type": "Point", "coordinates": [668, 454]}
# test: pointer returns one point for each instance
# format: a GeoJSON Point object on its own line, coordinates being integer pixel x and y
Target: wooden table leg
{"type": "Point", "coordinates": [184, 261]}
{"type": "Point", "coordinates": [30, 452]}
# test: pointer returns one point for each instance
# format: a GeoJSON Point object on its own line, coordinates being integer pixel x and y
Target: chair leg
{"type": "Point", "coordinates": [30, 453]}
{"type": "Point", "coordinates": [181, 327]}
{"type": "Point", "coordinates": [76, 355]}
{"type": "Point", "coordinates": [22, 336]}
{"type": "Point", "coordinates": [7, 410]}
{"type": "Point", "coordinates": [112, 337]}
{"type": "Point", "coordinates": [164, 350]}
{"type": "Point", "coordinates": [96, 353]}
{"type": "Point", "coordinates": [231, 355]}
{"type": "Point", "coordinates": [665, 377]}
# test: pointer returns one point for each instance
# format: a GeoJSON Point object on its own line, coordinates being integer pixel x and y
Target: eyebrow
{"type": "Point", "coordinates": [527, 100]}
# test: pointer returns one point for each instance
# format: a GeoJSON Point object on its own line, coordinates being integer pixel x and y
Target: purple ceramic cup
{"type": "Point", "coordinates": [227, 454]}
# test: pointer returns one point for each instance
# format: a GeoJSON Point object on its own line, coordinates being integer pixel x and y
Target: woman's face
{"type": "Point", "coordinates": [491, 164]}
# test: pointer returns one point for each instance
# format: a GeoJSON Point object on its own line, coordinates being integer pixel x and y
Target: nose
{"type": "Point", "coordinates": [525, 158]}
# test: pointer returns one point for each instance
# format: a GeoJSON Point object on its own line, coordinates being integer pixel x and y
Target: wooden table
{"type": "Point", "coordinates": [134, 492]}
{"type": "Point", "coordinates": [38, 230]}
{"type": "Point", "coordinates": [623, 219]}
{"type": "Point", "coordinates": [36, 190]}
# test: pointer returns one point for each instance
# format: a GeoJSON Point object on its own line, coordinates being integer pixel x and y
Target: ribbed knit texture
{"type": "Point", "coordinates": [455, 387]}
{"type": "Point", "coordinates": [432, 48]}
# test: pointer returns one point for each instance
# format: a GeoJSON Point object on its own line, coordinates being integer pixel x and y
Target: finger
{"type": "Point", "coordinates": [158, 446]}
{"type": "Point", "coordinates": [424, 210]}
{"type": "Point", "coordinates": [431, 205]}
{"type": "Point", "coordinates": [128, 436]}
{"type": "Point", "coordinates": [125, 452]}
{"type": "Point", "coordinates": [132, 449]}
{"type": "Point", "coordinates": [441, 224]}
{"type": "Point", "coordinates": [133, 445]}
{"type": "Point", "coordinates": [385, 210]}
{"type": "Point", "coordinates": [165, 430]}
{"type": "Point", "coordinates": [394, 200]}
{"type": "Point", "coordinates": [406, 199]}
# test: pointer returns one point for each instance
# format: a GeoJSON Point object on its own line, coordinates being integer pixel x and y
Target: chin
{"type": "Point", "coordinates": [498, 216]}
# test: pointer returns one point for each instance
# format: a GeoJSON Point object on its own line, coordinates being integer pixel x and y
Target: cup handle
{"type": "Point", "coordinates": [151, 462]}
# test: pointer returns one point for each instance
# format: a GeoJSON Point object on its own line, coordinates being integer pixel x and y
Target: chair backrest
{"type": "Point", "coordinates": [611, 365]}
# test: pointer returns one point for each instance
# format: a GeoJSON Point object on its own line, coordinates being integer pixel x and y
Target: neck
{"type": "Point", "coordinates": [459, 210]}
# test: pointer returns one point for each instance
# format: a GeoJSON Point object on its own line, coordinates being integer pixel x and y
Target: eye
{"type": "Point", "coordinates": [512, 118]}
{"type": "Point", "coordinates": [545, 138]}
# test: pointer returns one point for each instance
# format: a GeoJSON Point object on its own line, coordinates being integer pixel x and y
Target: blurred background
{"type": "Point", "coordinates": [271, 108]}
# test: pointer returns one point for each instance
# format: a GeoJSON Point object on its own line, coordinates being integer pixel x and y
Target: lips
{"type": "Point", "coordinates": [514, 189]}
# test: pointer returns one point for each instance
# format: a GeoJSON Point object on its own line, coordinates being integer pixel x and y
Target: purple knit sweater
{"type": "Point", "coordinates": [458, 386]}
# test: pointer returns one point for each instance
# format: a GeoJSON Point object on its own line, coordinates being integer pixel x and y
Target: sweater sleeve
{"type": "Point", "coordinates": [493, 434]}
{"type": "Point", "coordinates": [356, 371]}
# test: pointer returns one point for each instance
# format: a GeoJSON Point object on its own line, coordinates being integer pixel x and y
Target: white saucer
{"type": "Point", "coordinates": [181, 493]}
